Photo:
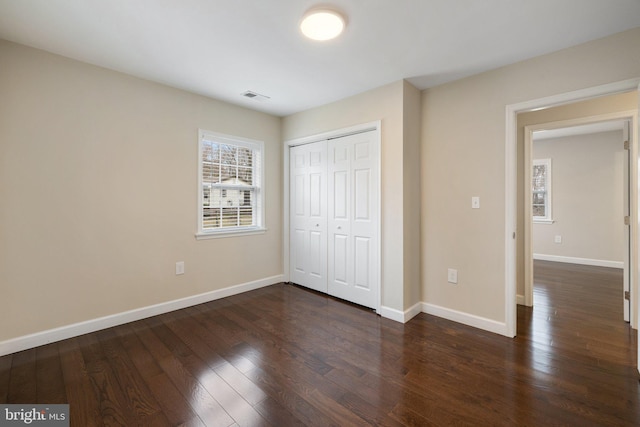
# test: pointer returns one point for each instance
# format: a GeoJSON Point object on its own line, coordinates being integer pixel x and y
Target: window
{"type": "Point", "coordinates": [229, 185]}
{"type": "Point", "coordinates": [541, 190]}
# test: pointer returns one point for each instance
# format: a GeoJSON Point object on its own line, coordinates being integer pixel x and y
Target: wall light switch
{"type": "Point", "coordinates": [475, 202]}
{"type": "Point", "coordinates": [179, 267]}
{"type": "Point", "coordinates": [452, 275]}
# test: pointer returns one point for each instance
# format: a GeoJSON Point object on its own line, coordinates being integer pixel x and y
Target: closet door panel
{"type": "Point", "coordinates": [308, 215]}
{"type": "Point", "coordinates": [340, 260]}
{"type": "Point", "coordinates": [362, 255]}
{"type": "Point", "coordinates": [352, 221]}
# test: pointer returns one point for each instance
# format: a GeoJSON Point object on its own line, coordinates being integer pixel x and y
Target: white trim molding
{"type": "Point", "coordinates": [58, 334]}
{"type": "Point", "coordinates": [401, 316]}
{"type": "Point", "coordinates": [467, 319]}
{"type": "Point", "coordinates": [581, 261]}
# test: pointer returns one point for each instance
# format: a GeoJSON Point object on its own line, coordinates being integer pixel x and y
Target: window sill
{"type": "Point", "coordinates": [543, 221]}
{"type": "Point", "coordinates": [230, 233]}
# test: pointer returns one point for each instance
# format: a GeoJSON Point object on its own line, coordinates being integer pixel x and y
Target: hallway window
{"type": "Point", "coordinates": [541, 190]}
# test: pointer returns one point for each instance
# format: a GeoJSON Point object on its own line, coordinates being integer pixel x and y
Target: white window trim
{"type": "Point", "coordinates": [547, 219]}
{"type": "Point", "coordinates": [259, 228]}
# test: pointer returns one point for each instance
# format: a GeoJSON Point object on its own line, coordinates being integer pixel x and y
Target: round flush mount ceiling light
{"type": "Point", "coordinates": [322, 24]}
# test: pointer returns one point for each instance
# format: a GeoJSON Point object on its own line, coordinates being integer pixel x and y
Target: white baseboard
{"type": "Point", "coordinates": [520, 299]}
{"type": "Point", "coordinates": [400, 316]}
{"type": "Point", "coordinates": [466, 319]}
{"type": "Point", "coordinates": [58, 334]}
{"type": "Point", "coordinates": [582, 261]}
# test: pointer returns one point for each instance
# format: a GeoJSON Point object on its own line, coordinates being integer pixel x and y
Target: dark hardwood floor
{"type": "Point", "coordinates": [285, 356]}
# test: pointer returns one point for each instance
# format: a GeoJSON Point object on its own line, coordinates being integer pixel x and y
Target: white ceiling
{"type": "Point", "coordinates": [222, 48]}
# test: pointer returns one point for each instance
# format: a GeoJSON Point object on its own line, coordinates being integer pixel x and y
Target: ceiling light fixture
{"type": "Point", "coordinates": [322, 24]}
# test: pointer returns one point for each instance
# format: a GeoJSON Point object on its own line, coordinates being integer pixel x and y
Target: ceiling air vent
{"type": "Point", "coordinates": [253, 95]}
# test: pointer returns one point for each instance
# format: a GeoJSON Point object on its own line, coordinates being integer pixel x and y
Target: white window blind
{"type": "Point", "coordinates": [230, 184]}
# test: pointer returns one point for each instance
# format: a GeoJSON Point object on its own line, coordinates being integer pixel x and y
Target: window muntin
{"type": "Point", "coordinates": [541, 190]}
{"type": "Point", "coordinates": [230, 184]}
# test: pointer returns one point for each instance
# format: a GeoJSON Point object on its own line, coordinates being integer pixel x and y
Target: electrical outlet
{"type": "Point", "coordinates": [557, 239]}
{"type": "Point", "coordinates": [452, 275]}
{"type": "Point", "coordinates": [179, 267]}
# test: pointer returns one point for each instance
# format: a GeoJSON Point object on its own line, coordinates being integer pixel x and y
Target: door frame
{"type": "Point", "coordinates": [630, 268]}
{"type": "Point", "coordinates": [337, 133]}
{"type": "Point", "coordinates": [511, 184]}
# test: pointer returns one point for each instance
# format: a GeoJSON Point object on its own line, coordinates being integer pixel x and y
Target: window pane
{"type": "Point", "coordinates": [210, 218]}
{"type": "Point", "coordinates": [539, 177]}
{"type": "Point", "coordinates": [246, 215]}
{"type": "Point", "coordinates": [229, 217]}
{"type": "Point", "coordinates": [216, 197]}
{"type": "Point", "coordinates": [247, 200]}
{"type": "Point", "coordinates": [228, 154]}
{"type": "Point", "coordinates": [210, 172]}
{"type": "Point", "coordinates": [539, 210]}
{"type": "Point", "coordinates": [245, 175]}
{"type": "Point", "coordinates": [206, 197]}
{"type": "Point", "coordinates": [245, 157]}
{"type": "Point", "coordinates": [207, 148]}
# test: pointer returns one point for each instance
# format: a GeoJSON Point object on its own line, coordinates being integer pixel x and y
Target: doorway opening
{"type": "Point", "coordinates": [514, 187]}
{"type": "Point", "coordinates": [578, 184]}
{"type": "Point", "coordinates": [520, 213]}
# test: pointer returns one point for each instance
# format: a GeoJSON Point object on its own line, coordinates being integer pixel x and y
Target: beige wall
{"type": "Point", "coordinates": [98, 193]}
{"type": "Point", "coordinates": [386, 104]}
{"type": "Point", "coordinates": [463, 155]}
{"type": "Point", "coordinates": [411, 189]}
{"type": "Point", "coordinates": [587, 197]}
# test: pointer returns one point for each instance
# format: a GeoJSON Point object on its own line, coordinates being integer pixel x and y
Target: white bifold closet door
{"type": "Point", "coordinates": [308, 215]}
{"type": "Point", "coordinates": [343, 191]}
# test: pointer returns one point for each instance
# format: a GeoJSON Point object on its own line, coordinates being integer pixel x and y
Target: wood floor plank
{"type": "Point", "coordinates": [276, 414]}
{"type": "Point", "coordinates": [49, 379]}
{"type": "Point", "coordinates": [114, 409]}
{"type": "Point", "coordinates": [5, 376]}
{"type": "Point", "coordinates": [136, 392]}
{"type": "Point", "coordinates": [23, 381]}
{"type": "Point", "coordinates": [84, 404]}
{"type": "Point", "coordinates": [279, 388]}
{"type": "Point", "coordinates": [197, 338]}
{"type": "Point", "coordinates": [238, 408]}
{"type": "Point", "coordinates": [176, 409]}
{"type": "Point", "coordinates": [207, 408]}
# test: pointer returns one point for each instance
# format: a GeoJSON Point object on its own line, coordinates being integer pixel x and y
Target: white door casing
{"type": "Point", "coordinates": [626, 139]}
